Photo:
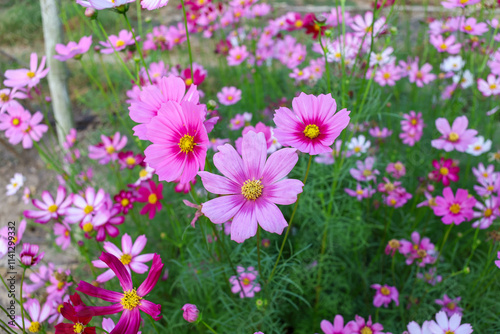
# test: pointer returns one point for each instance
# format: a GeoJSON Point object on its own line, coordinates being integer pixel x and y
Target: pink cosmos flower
{"type": "Point", "coordinates": [153, 4]}
{"type": "Point", "coordinates": [152, 99]}
{"type": "Point", "coordinates": [450, 305]}
{"type": "Point", "coordinates": [39, 278]}
{"type": "Point", "coordinates": [179, 141]}
{"type": "Point", "coordinates": [422, 76]}
{"type": "Point", "coordinates": [7, 98]}
{"type": "Point", "coordinates": [102, 4]}
{"type": "Point", "coordinates": [396, 169]}
{"type": "Point", "coordinates": [108, 149]}
{"type": "Point", "coordinates": [199, 75]}
{"type": "Point", "coordinates": [70, 139]}
{"type": "Point", "coordinates": [229, 95]}
{"type": "Point", "coordinates": [129, 159]}
{"type": "Point", "coordinates": [245, 280]}
{"type": "Point", "coordinates": [85, 206]}
{"type": "Point", "coordinates": [63, 235]}
{"type": "Point", "coordinates": [397, 198]}
{"type": "Point", "coordinates": [336, 328]}
{"type": "Point", "coordinates": [152, 195]}
{"type": "Point", "coordinates": [445, 44]}
{"type": "Point", "coordinates": [33, 131]}
{"type": "Point", "coordinates": [365, 26]}
{"type": "Point", "coordinates": [15, 121]}
{"type": "Point", "coordinates": [360, 326]}
{"type": "Point", "coordinates": [364, 171]}
{"type": "Point", "coordinates": [482, 172]}
{"type": "Point", "coordinates": [30, 256]}
{"type": "Point", "coordinates": [237, 55]}
{"type": "Point", "coordinates": [239, 121]}
{"type": "Point", "coordinates": [420, 249]}
{"type": "Point", "coordinates": [7, 239]}
{"type": "Point", "coordinates": [487, 213]}
{"type": "Point", "coordinates": [253, 187]}
{"type": "Point", "coordinates": [103, 221]}
{"type": "Point", "coordinates": [119, 42]}
{"type": "Point", "coordinates": [360, 192]}
{"type": "Point", "coordinates": [377, 133]}
{"type": "Point", "coordinates": [129, 256]}
{"type": "Point", "coordinates": [387, 186]}
{"type": "Point", "coordinates": [456, 137]}
{"type": "Point", "coordinates": [259, 127]}
{"type": "Point", "coordinates": [50, 208]}
{"type": "Point", "coordinates": [430, 276]}
{"type": "Point", "coordinates": [387, 74]}
{"type": "Point", "coordinates": [190, 313]}
{"type": "Point", "coordinates": [216, 142]}
{"type": "Point", "coordinates": [26, 195]}
{"type": "Point", "coordinates": [412, 120]}
{"type": "Point", "coordinates": [312, 126]}
{"type": "Point", "coordinates": [24, 77]}
{"type": "Point", "coordinates": [73, 49]}
{"type": "Point", "coordinates": [58, 283]}
{"type": "Point", "coordinates": [445, 171]}
{"type": "Point", "coordinates": [490, 86]}
{"type": "Point", "coordinates": [443, 325]}
{"type": "Point", "coordinates": [56, 316]}
{"type": "Point", "coordinates": [488, 186]}
{"type": "Point", "coordinates": [124, 201]}
{"type": "Point", "coordinates": [458, 3]}
{"type": "Point", "coordinates": [36, 314]}
{"type": "Point", "coordinates": [472, 27]}
{"type": "Point", "coordinates": [454, 209]}
{"type": "Point", "coordinates": [384, 295]}
{"type": "Point", "coordinates": [130, 302]}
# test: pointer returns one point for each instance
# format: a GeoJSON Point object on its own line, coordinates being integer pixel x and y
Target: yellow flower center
{"type": "Point", "coordinates": [252, 189]}
{"type": "Point", "coordinates": [28, 129]}
{"type": "Point", "coordinates": [366, 330]}
{"type": "Point", "coordinates": [119, 43]}
{"type": "Point", "coordinates": [367, 172]}
{"type": "Point", "coordinates": [311, 131]}
{"type": "Point", "coordinates": [357, 149]}
{"type": "Point", "coordinates": [385, 291]}
{"type": "Point", "coordinates": [455, 208]}
{"type": "Point", "coordinates": [34, 327]}
{"type": "Point", "coordinates": [359, 191]}
{"type": "Point", "coordinates": [130, 300]}
{"type": "Point", "coordinates": [238, 57]}
{"type": "Point", "coordinates": [125, 202]}
{"type": "Point", "coordinates": [300, 73]}
{"type": "Point", "coordinates": [299, 23]}
{"type": "Point", "coordinates": [488, 212]}
{"type": "Point", "coordinates": [88, 209]}
{"type": "Point", "coordinates": [414, 121]}
{"type": "Point", "coordinates": [419, 75]}
{"type": "Point", "coordinates": [31, 75]}
{"type": "Point", "coordinates": [126, 259]}
{"type": "Point", "coordinates": [230, 98]}
{"type": "Point", "coordinates": [485, 174]}
{"type": "Point", "coordinates": [4, 97]}
{"type": "Point", "coordinates": [468, 28]}
{"type": "Point", "coordinates": [60, 285]}
{"type": "Point", "coordinates": [393, 201]}
{"type": "Point", "coordinates": [15, 121]}
{"type": "Point", "coordinates": [444, 171]}
{"type": "Point", "coordinates": [368, 29]}
{"type": "Point", "coordinates": [66, 233]}
{"type": "Point", "coordinates": [52, 208]}
{"type": "Point", "coordinates": [443, 46]}
{"type": "Point", "coordinates": [88, 227]}
{"type": "Point", "coordinates": [246, 281]}
{"type": "Point", "coordinates": [432, 202]}
{"type": "Point", "coordinates": [490, 188]}
{"type": "Point", "coordinates": [389, 187]}
{"type": "Point", "coordinates": [110, 149]}
{"type": "Point", "coordinates": [130, 160]}
{"type": "Point", "coordinates": [453, 137]}
{"type": "Point", "coordinates": [394, 244]}
{"type": "Point", "coordinates": [152, 198]}
{"type": "Point", "coordinates": [451, 305]}
{"type": "Point", "coordinates": [448, 331]}
{"type": "Point", "coordinates": [143, 173]}
{"type": "Point", "coordinates": [421, 253]}
{"type": "Point", "coordinates": [493, 86]}
{"type": "Point", "coordinates": [387, 75]}
{"type": "Point", "coordinates": [464, 1]}
{"type": "Point", "coordinates": [78, 328]}
{"type": "Point", "coordinates": [189, 82]}
{"type": "Point", "coordinates": [477, 148]}
{"type": "Point", "coordinates": [186, 144]}
{"type": "Point", "coordinates": [59, 308]}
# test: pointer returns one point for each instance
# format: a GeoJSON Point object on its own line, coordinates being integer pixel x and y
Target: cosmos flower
{"type": "Point", "coordinates": [24, 77]}
{"type": "Point", "coordinates": [414, 328]}
{"type": "Point", "coordinates": [84, 206]}
{"type": "Point", "coordinates": [430, 276]}
{"type": "Point", "coordinates": [130, 302]}
{"type": "Point", "coordinates": [445, 44]}
{"type": "Point", "coordinates": [479, 146]}
{"type": "Point", "coordinates": [118, 43]}
{"type": "Point", "coordinates": [15, 184]}
{"type": "Point", "coordinates": [73, 49]}
{"type": "Point", "coordinates": [364, 170]}
{"type": "Point", "coordinates": [337, 327]}
{"type": "Point", "coordinates": [108, 149]}
{"type": "Point", "coordinates": [487, 213]}
{"type": "Point", "coordinates": [457, 137]}
{"type": "Point", "coordinates": [15, 122]}
{"type": "Point", "coordinates": [7, 98]}
{"type": "Point", "coordinates": [229, 95]}
{"type": "Point", "coordinates": [129, 255]}
{"type": "Point", "coordinates": [63, 235]}
{"type": "Point", "coordinates": [153, 4]}
{"type": "Point", "coordinates": [152, 196]}
{"type": "Point", "coordinates": [252, 187]}
{"type": "Point", "coordinates": [443, 325]}
{"type": "Point", "coordinates": [237, 55]}
{"type": "Point", "coordinates": [360, 192]}
{"type": "Point", "coordinates": [78, 324]}
{"type": "Point", "coordinates": [454, 209]}
{"type": "Point", "coordinates": [396, 169]}
{"type": "Point", "coordinates": [50, 208]}
{"type": "Point", "coordinates": [245, 283]}
{"type": "Point", "coordinates": [36, 314]}
{"type": "Point", "coordinates": [30, 256]}
{"type": "Point", "coordinates": [190, 312]}
{"type": "Point", "coordinates": [421, 76]}
{"type": "Point", "coordinates": [361, 326]}
{"type": "Point", "coordinates": [419, 249]}
{"type": "Point", "coordinates": [490, 86]}
{"type": "Point", "coordinates": [239, 121]}
{"type": "Point", "coordinates": [445, 171]}
{"type": "Point", "coordinates": [384, 295]}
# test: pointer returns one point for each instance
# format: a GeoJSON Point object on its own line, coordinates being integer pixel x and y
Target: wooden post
{"type": "Point", "coordinates": [57, 77]}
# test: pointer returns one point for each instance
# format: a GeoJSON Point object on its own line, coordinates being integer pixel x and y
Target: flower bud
{"type": "Point", "coordinates": [190, 312]}
{"type": "Point", "coordinates": [91, 13]}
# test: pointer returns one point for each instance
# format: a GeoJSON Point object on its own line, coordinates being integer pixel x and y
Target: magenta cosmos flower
{"type": "Point", "coordinates": [337, 327]}
{"type": "Point", "coordinates": [24, 77]}
{"type": "Point", "coordinates": [245, 280]}
{"type": "Point", "coordinates": [129, 255]}
{"type": "Point", "coordinates": [312, 126]}
{"type": "Point", "coordinates": [384, 295]}
{"type": "Point", "coordinates": [153, 97]}
{"type": "Point", "coordinates": [445, 171]}
{"type": "Point", "coordinates": [29, 255]}
{"type": "Point", "coordinates": [73, 49]}
{"type": "Point", "coordinates": [152, 196]}
{"type": "Point", "coordinates": [50, 208]}
{"type": "Point", "coordinates": [360, 326]}
{"type": "Point", "coordinates": [253, 187]}
{"type": "Point", "coordinates": [454, 209]}
{"type": "Point", "coordinates": [179, 140]}
{"type": "Point", "coordinates": [190, 313]}
{"type": "Point", "coordinates": [457, 137]}
{"type": "Point", "coordinates": [130, 302]}
{"type": "Point", "coordinates": [229, 95]}
{"type": "Point", "coordinates": [450, 306]}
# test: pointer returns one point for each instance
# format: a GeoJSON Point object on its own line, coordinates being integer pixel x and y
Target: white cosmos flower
{"type": "Point", "coordinates": [452, 63]}
{"type": "Point", "coordinates": [15, 184]}
{"type": "Point", "coordinates": [466, 80]}
{"type": "Point", "coordinates": [479, 147]}
{"type": "Point", "coordinates": [358, 145]}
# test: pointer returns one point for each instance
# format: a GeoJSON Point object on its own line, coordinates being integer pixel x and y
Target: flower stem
{"type": "Point", "coordinates": [138, 47]}
{"type": "Point", "coordinates": [290, 223]}
{"type": "Point", "coordinates": [444, 241]}
{"type": "Point", "coordinates": [327, 68]}
{"type": "Point", "coordinates": [209, 328]}
{"type": "Point", "coordinates": [474, 246]}
{"type": "Point", "coordinates": [258, 249]}
{"type": "Point", "coordinates": [21, 299]}
{"type": "Point", "coordinates": [187, 38]}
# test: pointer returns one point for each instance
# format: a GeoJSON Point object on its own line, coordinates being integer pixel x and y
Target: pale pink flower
{"type": "Point", "coordinates": [472, 27]}
{"type": "Point", "coordinates": [153, 4]}
{"type": "Point", "coordinates": [108, 149]}
{"type": "Point", "coordinates": [73, 49]}
{"type": "Point", "coordinates": [457, 137]}
{"type": "Point", "coordinates": [458, 3]}
{"type": "Point", "coordinates": [229, 95]}
{"type": "Point", "coordinates": [422, 76]}
{"type": "Point", "coordinates": [63, 233]}
{"type": "Point", "coordinates": [245, 283]}
{"type": "Point", "coordinates": [7, 98]}
{"type": "Point", "coordinates": [364, 170]}
{"type": "Point", "coordinates": [237, 55]}
{"type": "Point", "coordinates": [118, 43]}
{"type": "Point", "coordinates": [445, 44]}
{"type": "Point", "coordinates": [490, 86]}
{"type": "Point", "coordinates": [50, 208]}
{"type": "Point", "coordinates": [24, 77]}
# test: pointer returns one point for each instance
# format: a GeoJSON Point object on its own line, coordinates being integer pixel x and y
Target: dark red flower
{"type": "Point", "coordinates": [78, 323]}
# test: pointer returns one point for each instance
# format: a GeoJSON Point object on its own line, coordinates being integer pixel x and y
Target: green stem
{"type": "Point", "coordinates": [21, 299]}
{"type": "Point", "coordinates": [444, 241]}
{"type": "Point", "coordinates": [290, 223]}
{"type": "Point", "coordinates": [138, 47]}
{"type": "Point", "coordinates": [474, 246]}
{"type": "Point", "coordinates": [258, 249]}
{"type": "Point", "coordinates": [187, 38]}
{"type": "Point", "coordinates": [327, 68]}
{"type": "Point", "coordinates": [209, 328]}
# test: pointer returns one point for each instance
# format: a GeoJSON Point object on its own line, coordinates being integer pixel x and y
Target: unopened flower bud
{"type": "Point", "coordinates": [190, 312]}
{"type": "Point", "coordinates": [91, 13]}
